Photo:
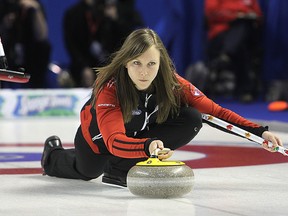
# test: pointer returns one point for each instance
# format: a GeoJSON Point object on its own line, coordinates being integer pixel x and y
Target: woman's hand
{"type": "Point", "coordinates": [159, 144]}
{"type": "Point", "coordinates": [269, 136]}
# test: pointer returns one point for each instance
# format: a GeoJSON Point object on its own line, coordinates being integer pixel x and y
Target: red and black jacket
{"type": "Point", "coordinates": [105, 131]}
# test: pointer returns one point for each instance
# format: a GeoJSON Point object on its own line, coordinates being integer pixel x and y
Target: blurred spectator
{"type": "Point", "coordinates": [24, 34]}
{"type": "Point", "coordinates": [93, 29]}
{"type": "Point", "coordinates": [234, 37]}
{"type": "Point", "coordinates": [275, 64]}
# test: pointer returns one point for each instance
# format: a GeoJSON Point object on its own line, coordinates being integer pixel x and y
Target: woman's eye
{"type": "Point", "coordinates": [136, 63]}
{"type": "Point", "coordinates": [151, 63]}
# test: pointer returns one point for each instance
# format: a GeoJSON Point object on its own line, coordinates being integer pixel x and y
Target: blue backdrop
{"type": "Point", "coordinates": [180, 25]}
{"type": "Point", "coordinates": [275, 64]}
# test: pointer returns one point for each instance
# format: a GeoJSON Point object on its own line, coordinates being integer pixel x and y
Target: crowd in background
{"type": "Point", "coordinates": [229, 61]}
{"type": "Point", "coordinates": [24, 34]}
{"type": "Point", "coordinates": [234, 47]}
{"type": "Point", "coordinates": [92, 31]}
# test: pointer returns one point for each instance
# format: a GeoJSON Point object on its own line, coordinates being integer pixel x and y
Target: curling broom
{"type": "Point", "coordinates": [243, 133]}
{"type": "Point", "coordinates": [14, 76]}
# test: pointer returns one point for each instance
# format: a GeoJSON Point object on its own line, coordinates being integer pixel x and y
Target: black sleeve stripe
{"type": "Point", "coordinates": [129, 143]}
{"type": "Point", "coordinates": [127, 150]}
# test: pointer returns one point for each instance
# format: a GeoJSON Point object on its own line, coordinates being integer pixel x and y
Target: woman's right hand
{"type": "Point", "coordinates": [159, 144]}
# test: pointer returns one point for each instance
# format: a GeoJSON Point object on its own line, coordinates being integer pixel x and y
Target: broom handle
{"type": "Point", "coordinates": [242, 132]}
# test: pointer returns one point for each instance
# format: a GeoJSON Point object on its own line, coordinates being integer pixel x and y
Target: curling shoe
{"type": "Point", "coordinates": [115, 181]}
{"type": "Point", "coordinates": [52, 143]}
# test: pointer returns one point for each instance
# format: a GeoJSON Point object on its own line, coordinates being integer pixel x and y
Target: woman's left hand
{"type": "Point", "coordinates": [276, 141]}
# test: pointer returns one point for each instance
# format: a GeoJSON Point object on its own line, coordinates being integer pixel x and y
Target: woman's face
{"type": "Point", "coordinates": [143, 69]}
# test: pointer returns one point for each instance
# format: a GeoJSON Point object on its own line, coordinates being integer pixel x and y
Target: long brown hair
{"type": "Point", "coordinates": [165, 84]}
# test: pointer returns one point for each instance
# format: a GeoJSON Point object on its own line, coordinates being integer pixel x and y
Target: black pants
{"type": "Point", "coordinates": [83, 163]}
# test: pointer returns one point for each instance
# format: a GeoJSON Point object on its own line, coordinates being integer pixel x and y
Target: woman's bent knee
{"type": "Point", "coordinates": [192, 118]}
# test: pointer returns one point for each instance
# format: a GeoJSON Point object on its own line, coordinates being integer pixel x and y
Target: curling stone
{"type": "Point", "coordinates": [160, 179]}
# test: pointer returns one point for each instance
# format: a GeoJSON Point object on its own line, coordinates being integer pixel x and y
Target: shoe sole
{"type": "Point", "coordinates": [114, 185]}
{"type": "Point", "coordinates": [112, 182]}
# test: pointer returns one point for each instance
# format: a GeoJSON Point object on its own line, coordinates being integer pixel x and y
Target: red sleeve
{"type": "Point", "coordinates": [111, 125]}
{"type": "Point", "coordinates": [195, 98]}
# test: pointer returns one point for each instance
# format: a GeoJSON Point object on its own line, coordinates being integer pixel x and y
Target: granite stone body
{"type": "Point", "coordinates": [160, 181]}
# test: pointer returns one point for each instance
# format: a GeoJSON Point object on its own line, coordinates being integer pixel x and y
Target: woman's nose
{"type": "Point", "coordinates": [143, 72]}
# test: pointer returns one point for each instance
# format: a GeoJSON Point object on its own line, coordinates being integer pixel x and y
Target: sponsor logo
{"type": "Point", "coordinates": [45, 105]}
{"type": "Point", "coordinates": [195, 91]}
{"type": "Point", "coordinates": [136, 112]}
